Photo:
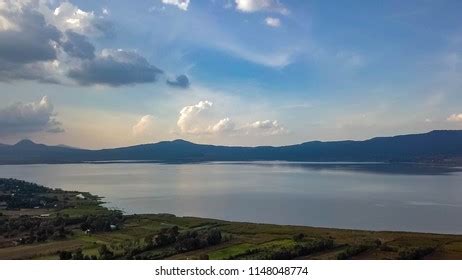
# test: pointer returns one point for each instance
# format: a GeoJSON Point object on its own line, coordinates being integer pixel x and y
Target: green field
{"type": "Point", "coordinates": [244, 240]}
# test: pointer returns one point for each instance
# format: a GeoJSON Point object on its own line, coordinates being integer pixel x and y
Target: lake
{"type": "Point", "coordinates": [371, 196]}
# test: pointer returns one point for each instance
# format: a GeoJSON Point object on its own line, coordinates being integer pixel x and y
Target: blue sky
{"type": "Point", "coordinates": [238, 72]}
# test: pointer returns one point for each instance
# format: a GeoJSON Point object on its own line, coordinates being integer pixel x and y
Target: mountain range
{"type": "Point", "coordinates": [435, 146]}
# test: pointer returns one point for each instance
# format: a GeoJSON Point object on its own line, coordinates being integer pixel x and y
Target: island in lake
{"type": "Point", "coordinates": [37, 222]}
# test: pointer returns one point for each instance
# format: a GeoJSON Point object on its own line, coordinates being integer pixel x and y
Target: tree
{"type": "Point", "coordinates": [214, 237]}
{"type": "Point", "coordinates": [105, 253]}
{"type": "Point", "coordinates": [149, 242]}
{"type": "Point", "coordinates": [298, 237]}
{"type": "Point", "coordinates": [78, 255]}
{"type": "Point", "coordinates": [65, 255]}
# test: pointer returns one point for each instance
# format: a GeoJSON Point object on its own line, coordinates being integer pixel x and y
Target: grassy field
{"type": "Point", "coordinates": [165, 236]}
{"type": "Point", "coordinates": [245, 240]}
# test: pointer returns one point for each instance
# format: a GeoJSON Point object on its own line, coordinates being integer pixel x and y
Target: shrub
{"type": "Point", "coordinates": [298, 237]}
{"type": "Point", "coordinates": [415, 253]}
{"type": "Point", "coordinates": [214, 237]}
{"type": "Point", "coordinates": [105, 253]}
{"type": "Point", "coordinates": [353, 251]}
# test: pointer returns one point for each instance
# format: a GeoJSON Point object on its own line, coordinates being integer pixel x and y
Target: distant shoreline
{"type": "Point", "coordinates": [435, 147]}
{"type": "Point", "coordinates": [326, 163]}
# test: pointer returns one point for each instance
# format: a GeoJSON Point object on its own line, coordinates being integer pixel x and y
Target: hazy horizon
{"type": "Point", "coordinates": [227, 72]}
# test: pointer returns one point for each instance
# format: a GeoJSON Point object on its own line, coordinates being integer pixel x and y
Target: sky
{"type": "Point", "coordinates": [96, 74]}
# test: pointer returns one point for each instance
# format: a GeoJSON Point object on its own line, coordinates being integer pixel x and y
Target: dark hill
{"type": "Point", "coordinates": [435, 146]}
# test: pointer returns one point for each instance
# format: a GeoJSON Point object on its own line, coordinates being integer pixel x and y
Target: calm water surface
{"type": "Point", "coordinates": [360, 196]}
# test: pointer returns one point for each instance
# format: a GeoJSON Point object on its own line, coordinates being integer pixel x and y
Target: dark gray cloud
{"type": "Point", "coordinates": [32, 71]}
{"type": "Point", "coordinates": [78, 46]}
{"type": "Point", "coordinates": [181, 81]}
{"type": "Point", "coordinates": [55, 127]}
{"type": "Point", "coordinates": [54, 47]}
{"type": "Point", "coordinates": [30, 117]}
{"type": "Point", "coordinates": [32, 41]}
{"type": "Point", "coordinates": [115, 68]}
{"type": "Point", "coordinates": [29, 45]}
{"type": "Point", "coordinates": [25, 47]}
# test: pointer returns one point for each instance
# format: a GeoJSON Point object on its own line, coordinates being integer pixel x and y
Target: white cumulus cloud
{"type": "Point", "coordinates": [273, 22]}
{"type": "Point", "coordinates": [223, 126]}
{"type": "Point", "coordinates": [198, 119]}
{"type": "Point", "coordinates": [190, 120]}
{"type": "Point", "coordinates": [181, 4]}
{"type": "Point", "coordinates": [266, 127]}
{"type": "Point", "coordinates": [251, 6]}
{"type": "Point", "coordinates": [455, 118]}
{"type": "Point", "coordinates": [144, 127]}
{"type": "Point", "coordinates": [23, 118]}
{"type": "Point", "coordinates": [69, 17]}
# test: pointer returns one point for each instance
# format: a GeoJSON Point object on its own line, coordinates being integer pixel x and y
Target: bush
{"type": "Point", "coordinates": [214, 237]}
{"type": "Point", "coordinates": [415, 253]}
{"type": "Point", "coordinates": [105, 253]}
{"type": "Point", "coordinates": [386, 248]}
{"type": "Point", "coordinates": [102, 223]}
{"type": "Point", "coordinates": [298, 237]}
{"type": "Point", "coordinates": [291, 252]}
{"type": "Point", "coordinates": [65, 255]}
{"type": "Point", "coordinates": [78, 255]}
{"type": "Point", "coordinates": [353, 251]}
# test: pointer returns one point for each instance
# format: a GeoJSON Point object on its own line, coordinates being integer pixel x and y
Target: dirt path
{"type": "Point", "coordinates": [37, 250]}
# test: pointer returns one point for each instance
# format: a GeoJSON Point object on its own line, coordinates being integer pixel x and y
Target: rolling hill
{"type": "Point", "coordinates": [435, 146]}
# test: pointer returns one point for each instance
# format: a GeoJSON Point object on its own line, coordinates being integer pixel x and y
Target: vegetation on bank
{"type": "Point", "coordinates": [42, 223]}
